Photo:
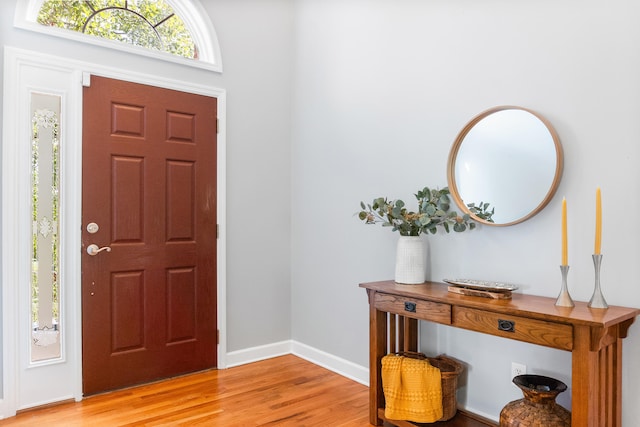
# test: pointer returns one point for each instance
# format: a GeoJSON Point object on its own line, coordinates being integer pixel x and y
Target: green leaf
{"type": "Point", "coordinates": [434, 211]}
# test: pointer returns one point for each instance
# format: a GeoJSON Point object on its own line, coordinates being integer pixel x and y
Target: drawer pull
{"type": "Point", "coordinates": [506, 325]}
{"type": "Point", "coordinates": [410, 307]}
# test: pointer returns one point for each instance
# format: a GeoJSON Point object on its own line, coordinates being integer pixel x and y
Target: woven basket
{"type": "Point", "coordinates": [449, 371]}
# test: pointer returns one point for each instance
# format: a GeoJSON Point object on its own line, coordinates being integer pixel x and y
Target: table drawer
{"type": "Point", "coordinates": [556, 335]}
{"type": "Point", "coordinates": [414, 308]}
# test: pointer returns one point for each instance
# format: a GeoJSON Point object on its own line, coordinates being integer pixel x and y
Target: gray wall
{"type": "Point", "coordinates": [382, 89]}
{"type": "Point", "coordinates": [334, 102]}
{"type": "Point", "coordinates": [255, 38]}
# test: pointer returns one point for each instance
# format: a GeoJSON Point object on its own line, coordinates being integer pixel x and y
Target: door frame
{"type": "Point", "coordinates": [15, 222]}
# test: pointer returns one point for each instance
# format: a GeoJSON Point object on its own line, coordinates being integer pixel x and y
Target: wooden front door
{"type": "Point", "coordinates": [149, 205]}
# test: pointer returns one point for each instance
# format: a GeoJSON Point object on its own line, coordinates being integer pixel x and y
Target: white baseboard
{"type": "Point", "coordinates": [333, 363]}
{"type": "Point", "coordinates": [480, 413]}
{"type": "Point", "coordinates": [255, 354]}
{"type": "Point", "coordinates": [3, 410]}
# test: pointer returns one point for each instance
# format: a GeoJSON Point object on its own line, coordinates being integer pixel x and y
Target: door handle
{"type": "Point", "coordinates": [94, 250]}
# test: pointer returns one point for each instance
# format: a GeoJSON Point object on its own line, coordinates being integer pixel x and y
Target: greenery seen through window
{"type": "Point", "coordinates": [151, 24]}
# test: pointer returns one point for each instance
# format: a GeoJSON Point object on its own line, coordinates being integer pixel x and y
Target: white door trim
{"type": "Point", "coordinates": [14, 178]}
{"type": "Point", "coordinates": [190, 11]}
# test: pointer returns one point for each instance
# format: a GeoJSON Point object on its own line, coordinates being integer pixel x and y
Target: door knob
{"type": "Point", "coordinates": [94, 250]}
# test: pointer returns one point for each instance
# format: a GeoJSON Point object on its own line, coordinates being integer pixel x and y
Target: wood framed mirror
{"type": "Point", "coordinates": [509, 157]}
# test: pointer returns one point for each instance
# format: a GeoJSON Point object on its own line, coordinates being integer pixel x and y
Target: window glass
{"type": "Point", "coordinates": [45, 245]}
{"type": "Point", "coordinates": [151, 24]}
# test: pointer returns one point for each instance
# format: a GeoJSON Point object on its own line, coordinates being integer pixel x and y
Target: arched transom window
{"type": "Point", "coordinates": [176, 27]}
{"type": "Point", "coordinates": [147, 23]}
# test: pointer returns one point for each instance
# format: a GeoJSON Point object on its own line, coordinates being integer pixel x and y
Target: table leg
{"type": "Point", "coordinates": [377, 349]}
{"type": "Point", "coordinates": [596, 378]}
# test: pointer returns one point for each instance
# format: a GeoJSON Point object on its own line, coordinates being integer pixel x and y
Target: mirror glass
{"type": "Point", "coordinates": [509, 157]}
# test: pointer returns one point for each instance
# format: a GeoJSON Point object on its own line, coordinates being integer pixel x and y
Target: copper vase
{"type": "Point", "coordinates": [538, 408]}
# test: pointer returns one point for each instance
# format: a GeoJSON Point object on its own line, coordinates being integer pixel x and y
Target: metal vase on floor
{"type": "Point", "coordinates": [538, 408]}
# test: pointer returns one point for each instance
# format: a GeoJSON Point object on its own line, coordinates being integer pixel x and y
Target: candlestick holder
{"type": "Point", "coordinates": [597, 300]}
{"type": "Point", "coordinates": [564, 299]}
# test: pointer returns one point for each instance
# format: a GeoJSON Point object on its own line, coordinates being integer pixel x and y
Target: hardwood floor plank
{"type": "Point", "coordinates": [283, 391]}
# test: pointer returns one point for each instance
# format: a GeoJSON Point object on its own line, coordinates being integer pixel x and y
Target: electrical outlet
{"type": "Point", "coordinates": [518, 369]}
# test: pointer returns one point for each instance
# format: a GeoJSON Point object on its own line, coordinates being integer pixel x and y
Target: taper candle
{"type": "Point", "coordinates": [598, 243]}
{"type": "Point", "coordinates": [565, 253]}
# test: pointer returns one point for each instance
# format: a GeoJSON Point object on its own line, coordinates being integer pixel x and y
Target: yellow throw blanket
{"type": "Point", "coordinates": [412, 389]}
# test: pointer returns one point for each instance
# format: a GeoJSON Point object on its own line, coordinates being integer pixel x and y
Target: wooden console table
{"type": "Point", "coordinates": [594, 336]}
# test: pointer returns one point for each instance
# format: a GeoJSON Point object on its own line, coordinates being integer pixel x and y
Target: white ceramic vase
{"type": "Point", "coordinates": [411, 260]}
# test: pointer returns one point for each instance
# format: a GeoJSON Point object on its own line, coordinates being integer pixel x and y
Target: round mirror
{"type": "Point", "coordinates": [508, 157]}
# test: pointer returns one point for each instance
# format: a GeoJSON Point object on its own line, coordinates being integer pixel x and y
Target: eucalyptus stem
{"type": "Point", "coordinates": [433, 213]}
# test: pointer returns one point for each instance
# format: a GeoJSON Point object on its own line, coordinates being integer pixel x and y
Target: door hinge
{"type": "Point", "coordinates": [217, 231]}
{"type": "Point", "coordinates": [218, 336]}
{"type": "Point", "coordinates": [217, 125]}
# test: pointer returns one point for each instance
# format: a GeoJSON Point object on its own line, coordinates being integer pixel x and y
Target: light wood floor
{"type": "Point", "coordinates": [283, 391]}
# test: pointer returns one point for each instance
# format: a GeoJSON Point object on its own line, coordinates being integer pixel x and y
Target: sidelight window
{"type": "Point", "coordinates": [45, 243]}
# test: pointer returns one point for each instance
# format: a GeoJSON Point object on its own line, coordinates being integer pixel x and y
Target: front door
{"type": "Point", "coordinates": [149, 207]}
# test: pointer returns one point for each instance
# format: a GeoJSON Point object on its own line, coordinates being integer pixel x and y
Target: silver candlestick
{"type": "Point", "coordinates": [564, 299]}
{"type": "Point", "coordinates": [597, 300]}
